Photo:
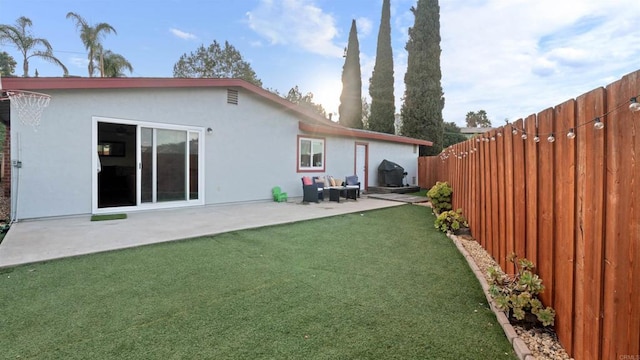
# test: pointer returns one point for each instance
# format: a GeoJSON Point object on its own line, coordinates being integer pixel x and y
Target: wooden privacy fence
{"type": "Point", "coordinates": [428, 171]}
{"type": "Point", "coordinates": [572, 206]}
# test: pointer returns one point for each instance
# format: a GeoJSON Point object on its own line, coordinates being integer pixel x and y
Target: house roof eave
{"type": "Point", "coordinates": [81, 83]}
{"type": "Point", "coordinates": [339, 130]}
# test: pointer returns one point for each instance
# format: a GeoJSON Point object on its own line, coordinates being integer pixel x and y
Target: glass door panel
{"type": "Point", "coordinates": [147, 165]}
{"type": "Point", "coordinates": [171, 155]}
{"type": "Point", "coordinates": [146, 175]}
{"type": "Point", "coordinates": [194, 139]}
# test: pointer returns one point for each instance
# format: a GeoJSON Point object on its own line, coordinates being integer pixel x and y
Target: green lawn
{"type": "Point", "coordinates": [422, 192]}
{"type": "Point", "coordinates": [382, 284]}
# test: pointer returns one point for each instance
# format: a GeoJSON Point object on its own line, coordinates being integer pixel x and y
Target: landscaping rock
{"type": "Point", "coordinates": [543, 343]}
{"type": "Point", "coordinates": [4, 209]}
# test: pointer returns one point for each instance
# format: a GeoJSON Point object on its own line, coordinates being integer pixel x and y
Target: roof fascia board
{"type": "Point", "coordinates": [73, 83]}
{"type": "Point", "coordinates": [360, 134]}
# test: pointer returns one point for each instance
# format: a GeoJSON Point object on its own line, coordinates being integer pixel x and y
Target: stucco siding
{"type": "Point", "coordinates": [253, 146]}
{"type": "Point", "coordinates": [251, 149]}
{"type": "Point", "coordinates": [55, 177]}
{"type": "Point", "coordinates": [401, 154]}
{"type": "Point", "coordinates": [340, 159]}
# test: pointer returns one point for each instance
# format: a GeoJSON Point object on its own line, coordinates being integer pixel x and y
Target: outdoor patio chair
{"type": "Point", "coordinates": [320, 181]}
{"type": "Point", "coordinates": [311, 191]}
{"type": "Point", "coordinates": [278, 195]}
{"type": "Point", "coordinates": [352, 183]}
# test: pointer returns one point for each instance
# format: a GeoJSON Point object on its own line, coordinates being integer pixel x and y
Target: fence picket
{"type": "Point", "coordinates": [485, 201]}
{"type": "Point", "coordinates": [621, 242]}
{"type": "Point", "coordinates": [509, 191]}
{"type": "Point", "coordinates": [494, 235]}
{"type": "Point", "coordinates": [519, 191]}
{"type": "Point", "coordinates": [564, 207]}
{"type": "Point", "coordinates": [589, 247]}
{"type": "Point", "coordinates": [531, 181]}
{"type": "Point", "coordinates": [501, 193]}
{"type": "Point", "coordinates": [546, 195]}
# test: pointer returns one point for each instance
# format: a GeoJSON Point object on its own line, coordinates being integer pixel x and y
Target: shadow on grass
{"type": "Point", "coordinates": [382, 284]}
{"type": "Point", "coordinates": [422, 192]}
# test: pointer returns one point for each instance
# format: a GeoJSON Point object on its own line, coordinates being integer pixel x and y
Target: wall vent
{"type": "Point", "coordinates": [232, 96]}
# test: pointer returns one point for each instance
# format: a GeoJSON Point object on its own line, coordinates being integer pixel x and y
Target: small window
{"type": "Point", "coordinates": [310, 154]}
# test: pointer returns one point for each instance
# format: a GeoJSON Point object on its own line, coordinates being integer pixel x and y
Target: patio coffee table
{"type": "Point", "coordinates": [334, 193]}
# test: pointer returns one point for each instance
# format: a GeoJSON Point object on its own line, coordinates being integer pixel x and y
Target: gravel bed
{"type": "Point", "coordinates": [4, 208]}
{"type": "Point", "coordinates": [543, 343]}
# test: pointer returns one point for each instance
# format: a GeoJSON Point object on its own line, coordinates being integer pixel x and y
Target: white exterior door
{"type": "Point", "coordinates": [361, 164]}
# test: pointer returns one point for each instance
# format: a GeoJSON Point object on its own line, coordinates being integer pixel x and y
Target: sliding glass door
{"type": "Point", "coordinates": [167, 161]}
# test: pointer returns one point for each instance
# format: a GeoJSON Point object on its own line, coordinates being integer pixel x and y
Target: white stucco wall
{"type": "Point", "coordinates": [341, 158]}
{"type": "Point", "coordinates": [252, 148]}
{"type": "Point", "coordinates": [405, 155]}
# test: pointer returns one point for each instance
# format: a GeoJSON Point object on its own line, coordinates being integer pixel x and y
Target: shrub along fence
{"type": "Point", "coordinates": [571, 205]}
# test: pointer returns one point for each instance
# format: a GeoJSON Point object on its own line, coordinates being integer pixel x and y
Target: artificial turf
{"type": "Point", "coordinates": [108, 217]}
{"type": "Point", "coordinates": [382, 284]}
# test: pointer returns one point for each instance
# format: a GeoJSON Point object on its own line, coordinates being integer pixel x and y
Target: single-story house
{"type": "Point", "coordinates": [109, 145]}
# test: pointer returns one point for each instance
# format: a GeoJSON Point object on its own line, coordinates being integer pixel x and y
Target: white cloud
{"type": "Point", "coordinates": [296, 22]}
{"type": "Point", "coordinates": [79, 62]}
{"type": "Point", "coordinates": [518, 57]}
{"type": "Point", "coordinates": [543, 67]}
{"type": "Point", "coordinates": [364, 26]}
{"type": "Point", "coordinates": [569, 56]}
{"type": "Point", "coordinates": [182, 35]}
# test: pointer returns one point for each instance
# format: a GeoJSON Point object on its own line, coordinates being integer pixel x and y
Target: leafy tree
{"type": "Point", "coordinates": [350, 108]}
{"type": "Point", "coordinates": [381, 83]}
{"type": "Point", "coordinates": [114, 65]}
{"type": "Point", "coordinates": [452, 134]}
{"type": "Point", "coordinates": [295, 96]}
{"type": "Point", "coordinates": [215, 62]}
{"type": "Point", "coordinates": [366, 113]}
{"type": "Point", "coordinates": [22, 38]}
{"type": "Point", "coordinates": [7, 64]}
{"type": "Point", "coordinates": [423, 97]}
{"type": "Point", "coordinates": [91, 39]}
{"type": "Point", "coordinates": [478, 119]}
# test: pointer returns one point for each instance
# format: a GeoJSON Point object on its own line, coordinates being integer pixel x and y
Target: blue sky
{"type": "Point", "coordinates": [510, 58]}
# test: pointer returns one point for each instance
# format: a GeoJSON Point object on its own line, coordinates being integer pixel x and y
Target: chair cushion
{"type": "Point", "coordinates": [352, 180]}
{"type": "Point", "coordinates": [306, 180]}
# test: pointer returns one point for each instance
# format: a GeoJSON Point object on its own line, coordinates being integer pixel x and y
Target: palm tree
{"type": "Point", "coordinates": [20, 36]}
{"type": "Point", "coordinates": [113, 65]}
{"type": "Point", "coordinates": [90, 36]}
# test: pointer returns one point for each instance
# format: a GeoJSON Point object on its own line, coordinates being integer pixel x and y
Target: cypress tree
{"type": "Point", "coordinates": [423, 97]}
{"type": "Point", "coordinates": [351, 98]}
{"type": "Point", "coordinates": [381, 83]}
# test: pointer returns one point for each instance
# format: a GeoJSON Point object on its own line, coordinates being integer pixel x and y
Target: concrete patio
{"type": "Point", "coordinates": [48, 239]}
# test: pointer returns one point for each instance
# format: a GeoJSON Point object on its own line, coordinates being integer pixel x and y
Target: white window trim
{"type": "Point", "coordinates": [324, 155]}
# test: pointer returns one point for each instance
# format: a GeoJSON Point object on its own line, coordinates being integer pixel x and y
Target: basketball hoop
{"type": "Point", "coordinates": [29, 105]}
